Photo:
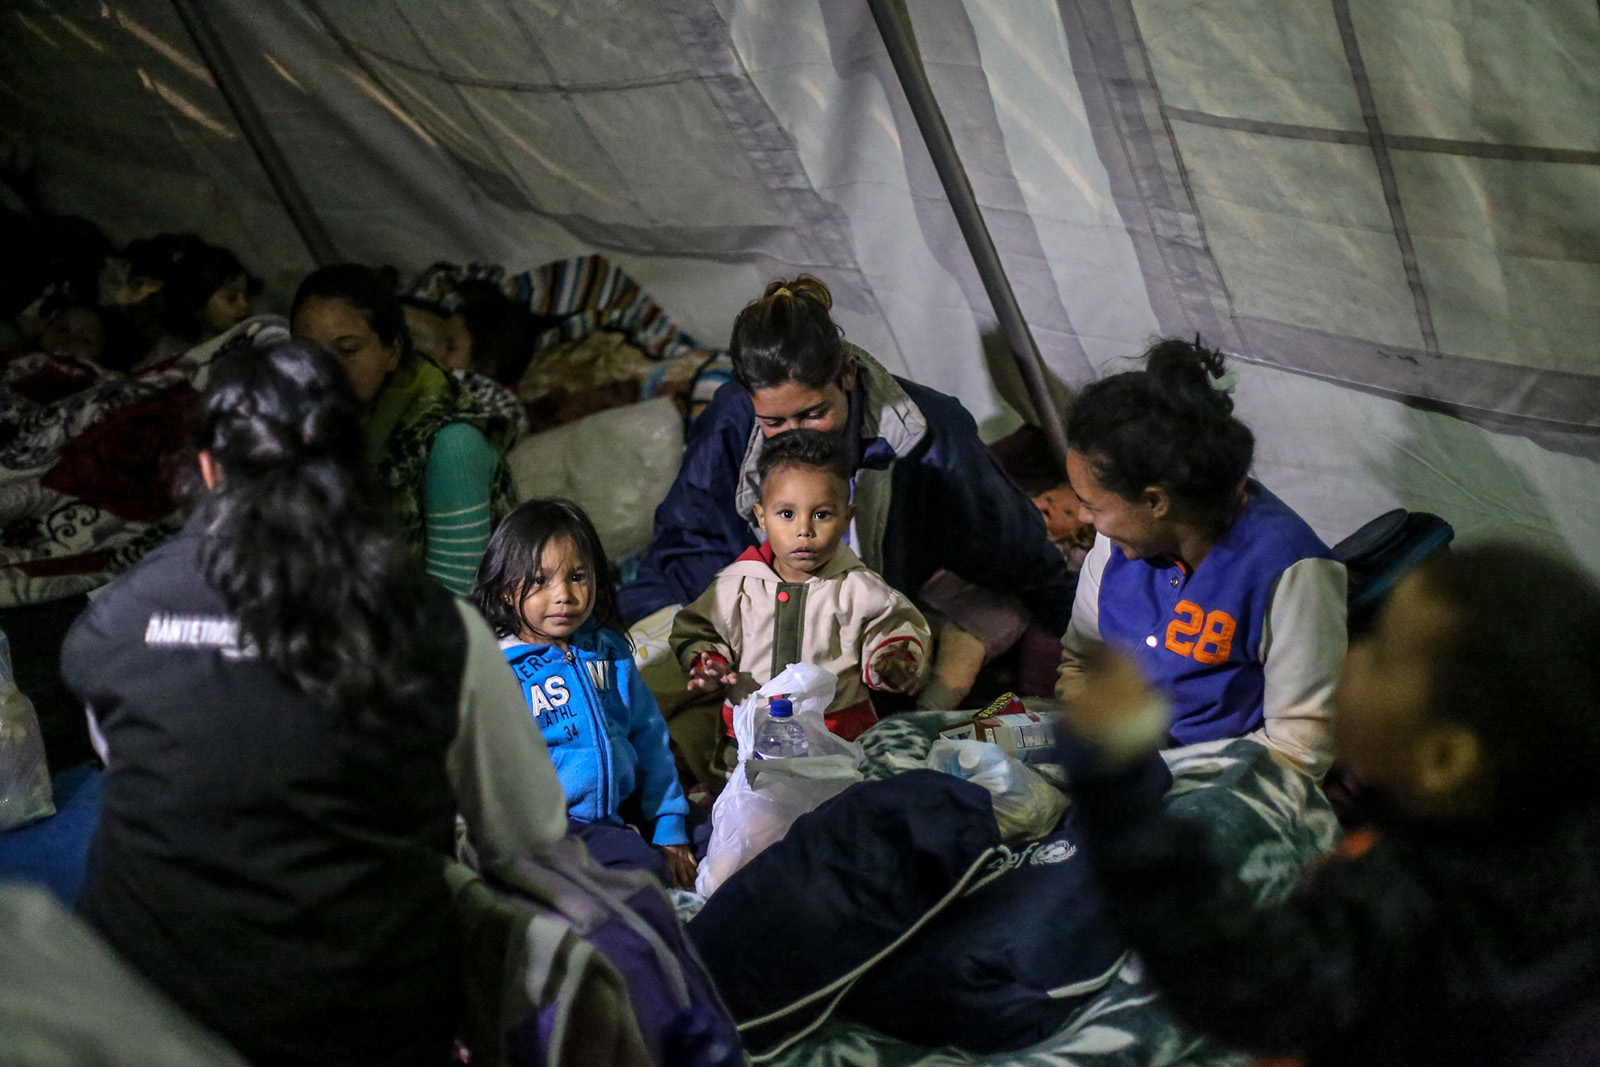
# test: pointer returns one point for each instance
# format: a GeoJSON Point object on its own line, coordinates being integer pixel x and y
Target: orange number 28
{"type": "Point", "coordinates": [1215, 633]}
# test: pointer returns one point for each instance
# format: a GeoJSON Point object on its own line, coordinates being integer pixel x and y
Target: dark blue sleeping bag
{"type": "Point", "coordinates": [897, 904]}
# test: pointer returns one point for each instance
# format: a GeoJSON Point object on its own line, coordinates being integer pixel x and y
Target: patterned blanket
{"type": "Point", "coordinates": [1269, 823]}
{"type": "Point", "coordinates": [585, 294]}
{"type": "Point", "coordinates": [91, 463]}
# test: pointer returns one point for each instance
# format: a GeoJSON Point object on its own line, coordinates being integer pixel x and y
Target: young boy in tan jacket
{"type": "Point", "coordinates": [803, 596]}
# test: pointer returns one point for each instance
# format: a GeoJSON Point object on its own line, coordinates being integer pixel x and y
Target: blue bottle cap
{"type": "Point", "coordinates": [780, 708]}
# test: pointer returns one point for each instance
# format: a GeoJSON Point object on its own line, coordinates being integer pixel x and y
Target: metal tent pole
{"type": "Point", "coordinates": [897, 35]}
{"type": "Point", "coordinates": [197, 20]}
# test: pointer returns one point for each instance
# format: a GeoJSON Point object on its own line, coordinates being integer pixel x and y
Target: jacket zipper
{"type": "Point", "coordinates": [598, 713]}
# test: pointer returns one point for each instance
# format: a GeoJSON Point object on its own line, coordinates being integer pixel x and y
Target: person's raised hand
{"type": "Point", "coordinates": [681, 865]}
{"type": "Point", "coordinates": [899, 668]}
{"type": "Point", "coordinates": [711, 671]}
{"type": "Point", "coordinates": [1112, 698]}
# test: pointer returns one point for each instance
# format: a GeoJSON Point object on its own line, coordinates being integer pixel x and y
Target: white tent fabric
{"type": "Point", "coordinates": [1391, 213]}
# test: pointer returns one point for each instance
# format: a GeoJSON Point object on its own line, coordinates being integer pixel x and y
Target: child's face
{"type": "Point", "coordinates": [457, 353]}
{"type": "Point", "coordinates": [76, 332]}
{"type": "Point", "coordinates": [805, 513]}
{"type": "Point", "coordinates": [560, 596]}
{"type": "Point", "coordinates": [227, 306]}
{"type": "Point", "coordinates": [1384, 730]}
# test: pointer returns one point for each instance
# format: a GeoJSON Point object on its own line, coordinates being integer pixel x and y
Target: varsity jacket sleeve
{"type": "Point", "coordinates": [1083, 632]}
{"type": "Point", "coordinates": [1287, 979]}
{"type": "Point", "coordinates": [1302, 649]}
{"type": "Point", "coordinates": [505, 785]}
{"type": "Point", "coordinates": [660, 794]}
{"type": "Point", "coordinates": [896, 624]}
{"type": "Point", "coordinates": [698, 530]}
{"type": "Point", "coordinates": [702, 626]}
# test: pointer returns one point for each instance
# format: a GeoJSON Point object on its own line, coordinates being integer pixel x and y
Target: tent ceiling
{"type": "Point", "coordinates": [1403, 199]}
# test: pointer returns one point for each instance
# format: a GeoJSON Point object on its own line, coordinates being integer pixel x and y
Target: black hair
{"type": "Point", "coordinates": [804, 448]}
{"type": "Point", "coordinates": [788, 336]}
{"type": "Point", "coordinates": [1519, 668]}
{"type": "Point", "coordinates": [501, 330]}
{"type": "Point", "coordinates": [190, 271]}
{"type": "Point", "coordinates": [512, 561]}
{"type": "Point", "coordinates": [370, 290]}
{"type": "Point", "coordinates": [1166, 426]}
{"type": "Point", "coordinates": [298, 541]}
{"type": "Point", "coordinates": [1024, 455]}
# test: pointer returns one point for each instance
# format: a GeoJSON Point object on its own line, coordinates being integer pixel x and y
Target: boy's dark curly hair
{"type": "Point", "coordinates": [804, 448]}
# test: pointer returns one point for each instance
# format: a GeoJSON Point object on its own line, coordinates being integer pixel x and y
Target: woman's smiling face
{"type": "Point", "coordinates": [1132, 525]}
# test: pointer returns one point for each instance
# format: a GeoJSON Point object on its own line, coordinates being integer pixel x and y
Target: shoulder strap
{"type": "Point", "coordinates": [530, 973]}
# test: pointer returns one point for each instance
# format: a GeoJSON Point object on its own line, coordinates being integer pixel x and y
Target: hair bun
{"type": "Point", "coordinates": [801, 287]}
{"type": "Point", "coordinates": [1189, 376]}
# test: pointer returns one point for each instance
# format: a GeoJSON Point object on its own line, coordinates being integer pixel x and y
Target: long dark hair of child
{"type": "Point", "coordinates": [1521, 671]}
{"type": "Point", "coordinates": [511, 562]}
{"type": "Point", "coordinates": [191, 271]}
{"type": "Point", "coordinates": [788, 336]}
{"type": "Point", "coordinates": [502, 331]}
{"type": "Point", "coordinates": [1166, 426]}
{"type": "Point", "coordinates": [298, 543]}
{"type": "Point", "coordinates": [373, 291]}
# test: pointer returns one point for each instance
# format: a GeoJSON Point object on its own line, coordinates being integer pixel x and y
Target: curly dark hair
{"type": "Point", "coordinates": [298, 540]}
{"type": "Point", "coordinates": [804, 448]}
{"type": "Point", "coordinates": [1166, 426]}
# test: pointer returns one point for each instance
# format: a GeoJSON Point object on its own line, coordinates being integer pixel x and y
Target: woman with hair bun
{"type": "Point", "coordinates": [1230, 603]}
{"type": "Point", "coordinates": [928, 495]}
{"type": "Point", "coordinates": [291, 715]}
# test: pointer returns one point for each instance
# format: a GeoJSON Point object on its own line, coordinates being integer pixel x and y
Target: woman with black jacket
{"type": "Point", "coordinates": [292, 715]}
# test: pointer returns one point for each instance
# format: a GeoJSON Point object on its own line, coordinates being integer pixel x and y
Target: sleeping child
{"type": "Point", "coordinates": [803, 596]}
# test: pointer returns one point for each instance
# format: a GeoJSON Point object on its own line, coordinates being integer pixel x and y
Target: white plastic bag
{"type": "Point", "coordinates": [763, 798]}
{"type": "Point", "coordinates": [24, 776]}
{"type": "Point", "coordinates": [1026, 807]}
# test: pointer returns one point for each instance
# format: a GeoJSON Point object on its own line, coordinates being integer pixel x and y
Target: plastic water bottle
{"type": "Point", "coordinates": [982, 764]}
{"type": "Point", "coordinates": [779, 736]}
{"type": "Point", "coordinates": [967, 763]}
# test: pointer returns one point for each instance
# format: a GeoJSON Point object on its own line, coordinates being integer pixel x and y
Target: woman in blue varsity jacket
{"type": "Point", "coordinates": [545, 587]}
{"type": "Point", "coordinates": [1232, 606]}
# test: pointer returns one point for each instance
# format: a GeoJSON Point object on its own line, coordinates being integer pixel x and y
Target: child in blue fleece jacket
{"type": "Point", "coordinates": [545, 587]}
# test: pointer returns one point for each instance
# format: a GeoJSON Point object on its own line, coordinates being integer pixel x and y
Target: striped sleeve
{"type": "Point", "coordinates": [456, 489]}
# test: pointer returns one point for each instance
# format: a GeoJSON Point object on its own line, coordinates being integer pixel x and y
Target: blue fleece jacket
{"type": "Point", "coordinates": [604, 729]}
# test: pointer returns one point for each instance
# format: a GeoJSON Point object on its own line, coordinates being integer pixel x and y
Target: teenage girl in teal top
{"type": "Point", "coordinates": [438, 452]}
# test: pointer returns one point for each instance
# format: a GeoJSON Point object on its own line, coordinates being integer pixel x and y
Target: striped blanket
{"type": "Point", "coordinates": [585, 293]}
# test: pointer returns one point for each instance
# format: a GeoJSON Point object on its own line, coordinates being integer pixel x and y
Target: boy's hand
{"type": "Point", "coordinates": [1113, 704]}
{"type": "Point", "coordinates": [681, 865]}
{"type": "Point", "coordinates": [899, 668]}
{"type": "Point", "coordinates": [711, 670]}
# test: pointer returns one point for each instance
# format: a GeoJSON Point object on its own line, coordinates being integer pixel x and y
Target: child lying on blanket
{"type": "Point", "coordinates": [1470, 931]}
{"type": "Point", "coordinates": [803, 596]}
{"type": "Point", "coordinates": [546, 589]}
